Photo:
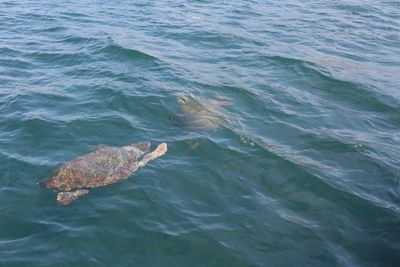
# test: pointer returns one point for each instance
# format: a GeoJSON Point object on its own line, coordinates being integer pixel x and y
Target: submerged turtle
{"type": "Point", "coordinates": [200, 113]}
{"type": "Point", "coordinates": [106, 165]}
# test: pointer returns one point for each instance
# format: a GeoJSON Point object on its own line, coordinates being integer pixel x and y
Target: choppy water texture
{"type": "Point", "coordinates": [304, 173]}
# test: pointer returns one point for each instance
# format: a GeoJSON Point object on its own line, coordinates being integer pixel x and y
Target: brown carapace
{"type": "Point", "coordinates": [106, 165]}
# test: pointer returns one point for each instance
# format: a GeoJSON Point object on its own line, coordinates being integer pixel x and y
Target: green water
{"type": "Point", "coordinates": [303, 171]}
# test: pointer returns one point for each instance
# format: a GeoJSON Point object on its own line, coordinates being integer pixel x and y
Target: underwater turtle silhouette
{"type": "Point", "coordinates": [106, 165]}
{"type": "Point", "coordinates": [200, 113]}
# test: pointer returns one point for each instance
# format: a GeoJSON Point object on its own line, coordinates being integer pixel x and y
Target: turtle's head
{"type": "Point", "coordinates": [43, 183]}
{"type": "Point", "coordinates": [49, 182]}
{"type": "Point", "coordinates": [183, 99]}
{"type": "Point", "coordinates": [143, 146]}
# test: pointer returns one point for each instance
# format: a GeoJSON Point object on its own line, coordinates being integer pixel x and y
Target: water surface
{"type": "Point", "coordinates": [306, 172]}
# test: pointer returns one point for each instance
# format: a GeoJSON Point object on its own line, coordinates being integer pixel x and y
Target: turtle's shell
{"type": "Point", "coordinates": [104, 166]}
{"type": "Point", "coordinates": [200, 113]}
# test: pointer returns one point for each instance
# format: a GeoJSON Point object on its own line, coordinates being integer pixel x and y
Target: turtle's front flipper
{"type": "Point", "coordinates": [159, 151]}
{"type": "Point", "coordinates": [65, 198]}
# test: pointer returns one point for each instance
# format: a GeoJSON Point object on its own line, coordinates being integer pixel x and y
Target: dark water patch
{"type": "Point", "coordinates": [289, 61]}
{"type": "Point", "coordinates": [74, 14]}
{"type": "Point", "coordinates": [51, 29]}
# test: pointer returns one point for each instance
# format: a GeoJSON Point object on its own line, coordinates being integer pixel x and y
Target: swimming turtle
{"type": "Point", "coordinates": [106, 165]}
{"type": "Point", "coordinates": [200, 113]}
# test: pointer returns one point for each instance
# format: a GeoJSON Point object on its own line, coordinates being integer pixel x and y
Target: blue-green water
{"type": "Point", "coordinates": [306, 172]}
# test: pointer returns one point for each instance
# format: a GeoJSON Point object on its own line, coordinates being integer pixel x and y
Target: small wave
{"type": "Point", "coordinates": [74, 14]}
{"type": "Point", "coordinates": [116, 50]}
{"type": "Point", "coordinates": [50, 29]}
{"type": "Point", "coordinates": [366, 97]}
{"type": "Point", "coordinates": [285, 59]}
{"type": "Point", "coordinates": [75, 39]}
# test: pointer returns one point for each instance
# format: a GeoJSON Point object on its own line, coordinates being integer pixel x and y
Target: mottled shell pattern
{"type": "Point", "coordinates": [104, 166]}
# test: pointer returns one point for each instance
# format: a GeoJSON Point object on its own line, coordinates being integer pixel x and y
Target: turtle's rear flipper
{"type": "Point", "coordinates": [65, 198]}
